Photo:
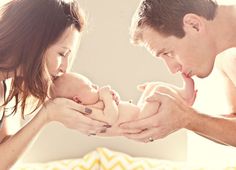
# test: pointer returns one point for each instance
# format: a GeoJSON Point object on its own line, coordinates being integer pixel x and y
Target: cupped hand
{"type": "Point", "coordinates": [73, 115]}
{"type": "Point", "coordinates": [172, 115]}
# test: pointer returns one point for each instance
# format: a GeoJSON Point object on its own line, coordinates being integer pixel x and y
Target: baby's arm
{"type": "Point", "coordinates": [110, 109]}
{"type": "Point", "coordinates": [98, 105]}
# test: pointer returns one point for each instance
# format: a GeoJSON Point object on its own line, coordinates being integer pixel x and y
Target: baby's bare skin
{"type": "Point", "coordinates": [81, 90]}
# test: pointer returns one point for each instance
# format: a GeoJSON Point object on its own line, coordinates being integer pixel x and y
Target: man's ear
{"type": "Point", "coordinates": [193, 23]}
{"type": "Point", "coordinates": [76, 99]}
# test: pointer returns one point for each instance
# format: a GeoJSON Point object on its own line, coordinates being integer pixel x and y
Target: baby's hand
{"type": "Point", "coordinates": [104, 92]}
{"type": "Point", "coordinates": [115, 96]}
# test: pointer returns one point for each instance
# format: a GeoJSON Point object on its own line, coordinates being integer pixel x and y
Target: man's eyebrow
{"type": "Point", "coordinates": [160, 51]}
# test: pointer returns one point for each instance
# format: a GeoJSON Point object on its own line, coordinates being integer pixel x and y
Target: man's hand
{"type": "Point", "coordinates": [172, 116]}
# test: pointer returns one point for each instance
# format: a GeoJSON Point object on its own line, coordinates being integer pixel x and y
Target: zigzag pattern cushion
{"type": "Point", "coordinates": [90, 161]}
{"type": "Point", "coordinates": [105, 159]}
{"type": "Point", "coordinates": [112, 160]}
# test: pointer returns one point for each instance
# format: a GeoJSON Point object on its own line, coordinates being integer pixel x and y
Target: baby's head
{"type": "Point", "coordinates": [76, 87]}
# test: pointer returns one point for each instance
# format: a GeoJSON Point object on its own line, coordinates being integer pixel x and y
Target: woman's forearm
{"type": "Point", "coordinates": [218, 129]}
{"type": "Point", "coordinates": [12, 147]}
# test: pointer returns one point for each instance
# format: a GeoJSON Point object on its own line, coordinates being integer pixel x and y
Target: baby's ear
{"type": "Point", "coordinates": [76, 99]}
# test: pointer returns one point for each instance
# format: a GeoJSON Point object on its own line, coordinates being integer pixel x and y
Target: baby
{"type": "Point", "coordinates": [82, 90]}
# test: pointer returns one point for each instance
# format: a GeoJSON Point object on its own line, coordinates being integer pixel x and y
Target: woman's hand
{"type": "Point", "coordinates": [73, 115]}
{"type": "Point", "coordinates": [172, 115]}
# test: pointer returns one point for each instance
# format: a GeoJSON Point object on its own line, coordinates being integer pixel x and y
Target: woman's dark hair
{"type": "Point", "coordinates": [27, 29]}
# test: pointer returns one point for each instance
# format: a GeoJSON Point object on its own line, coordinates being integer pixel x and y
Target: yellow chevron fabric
{"type": "Point", "coordinates": [106, 159]}
{"type": "Point", "coordinates": [112, 160]}
{"type": "Point", "coordinates": [90, 161]}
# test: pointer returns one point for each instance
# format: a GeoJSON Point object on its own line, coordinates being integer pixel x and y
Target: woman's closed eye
{"type": "Point", "coordinates": [64, 54]}
{"type": "Point", "coordinates": [61, 55]}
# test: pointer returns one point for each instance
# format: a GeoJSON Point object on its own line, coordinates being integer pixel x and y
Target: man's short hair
{"type": "Point", "coordinates": [166, 16]}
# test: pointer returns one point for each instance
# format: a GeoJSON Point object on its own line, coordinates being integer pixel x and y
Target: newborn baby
{"type": "Point", "coordinates": [80, 89]}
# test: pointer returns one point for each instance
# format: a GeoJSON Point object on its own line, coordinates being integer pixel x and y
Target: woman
{"type": "Point", "coordinates": [38, 39]}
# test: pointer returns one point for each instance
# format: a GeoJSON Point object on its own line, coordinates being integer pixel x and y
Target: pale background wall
{"type": "Point", "coordinates": [211, 100]}
{"type": "Point", "coordinates": [107, 57]}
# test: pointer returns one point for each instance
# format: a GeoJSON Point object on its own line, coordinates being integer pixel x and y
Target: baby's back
{"type": "Point", "coordinates": [127, 112]}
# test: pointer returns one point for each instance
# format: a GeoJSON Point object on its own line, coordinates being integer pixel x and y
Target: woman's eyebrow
{"type": "Point", "coordinates": [68, 50]}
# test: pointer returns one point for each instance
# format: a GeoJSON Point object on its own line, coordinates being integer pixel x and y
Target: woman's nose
{"type": "Point", "coordinates": [64, 66]}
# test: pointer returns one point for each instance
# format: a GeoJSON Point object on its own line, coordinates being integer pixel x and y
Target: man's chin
{"type": "Point", "coordinates": [202, 76]}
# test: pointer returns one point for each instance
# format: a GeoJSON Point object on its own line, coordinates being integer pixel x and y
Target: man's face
{"type": "Point", "coordinates": [192, 55]}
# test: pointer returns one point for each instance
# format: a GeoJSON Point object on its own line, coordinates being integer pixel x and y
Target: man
{"type": "Point", "coordinates": [188, 35]}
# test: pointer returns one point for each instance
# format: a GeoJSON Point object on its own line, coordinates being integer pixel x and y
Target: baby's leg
{"type": "Point", "coordinates": [148, 109]}
{"type": "Point", "coordinates": [148, 89]}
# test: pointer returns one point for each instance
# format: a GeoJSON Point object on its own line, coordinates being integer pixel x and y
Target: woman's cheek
{"type": "Point", "coordinates": [53, 67]}
{"type": "Point", "coordinates": [56, 64]}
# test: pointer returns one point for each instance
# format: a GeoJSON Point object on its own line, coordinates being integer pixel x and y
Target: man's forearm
{"type": "Point", "coordinates": [218, 129]}
{"type": "Point", "coordinates": [11, 148]}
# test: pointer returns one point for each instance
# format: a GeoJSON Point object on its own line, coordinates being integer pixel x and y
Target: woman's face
{"type": "Point", "coordinates": [59, 56]}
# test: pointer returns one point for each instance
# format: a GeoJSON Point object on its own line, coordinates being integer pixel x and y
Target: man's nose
{"type": "Point", "coordinates": [177, 69]}
{"type": "Point", "coordinates": [174, 67]}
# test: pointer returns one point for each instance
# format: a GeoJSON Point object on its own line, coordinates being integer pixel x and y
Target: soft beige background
{"type": "Point", "coordinates": [212, 100]}
{"type": "Point", "coordinates": [107, 57]}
